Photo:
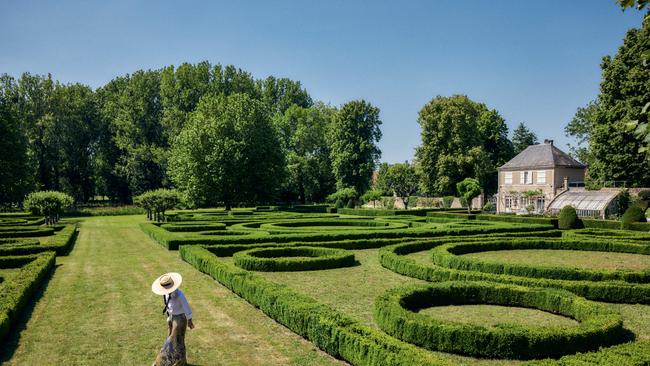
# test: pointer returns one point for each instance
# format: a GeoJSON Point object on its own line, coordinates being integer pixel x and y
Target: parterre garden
{"type": "Point", "coordinates": [380, 287]}
{"type": "Point", "coordinates": [28, 253]}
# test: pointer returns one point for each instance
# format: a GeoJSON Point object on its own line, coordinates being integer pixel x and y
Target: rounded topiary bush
{"type": "Point", "coordinates": [632, 214]}
{"type": "Point", "coordinates": [568, 218]}
{"type": "Point", "coordinates": [293, 259]}
{"type": "Point", "coordinates": [396, 313]}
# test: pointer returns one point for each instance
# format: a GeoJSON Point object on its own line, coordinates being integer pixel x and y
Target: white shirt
{"type": "Point", "coordinates": [177, 304]}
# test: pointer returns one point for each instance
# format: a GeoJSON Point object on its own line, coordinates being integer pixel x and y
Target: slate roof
{"type": "Point", "coordinates": [541, 156]}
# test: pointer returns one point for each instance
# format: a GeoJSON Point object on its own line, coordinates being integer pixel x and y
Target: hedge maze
{"type": "Point", "coordinates": [320, 274]}
{"type": "Point", "coordinates": [28, 253]}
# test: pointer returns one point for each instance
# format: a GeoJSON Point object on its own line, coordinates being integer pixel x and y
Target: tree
{"type": "Point", "coordinates": [227, 153]}
{"type": "Point", "coordinates": [50, 204]}
{"type": "Point", "coordinates": [522, 137]}
{"type": "Point", "coordinates": [156, 202]}
{"type": "Point", "coordinates": [614, 149]}
{"type": "Point", "coordinates": [580, 128]}
{"type": "Point", "coordinates": [303, 133]}
{"type": "Point", "coordinates": [460, 138]}
{"type": "Point", "coordinates": [353, 137]}
{"type": "Point", "coordinates": [468, 189]}
{"type": "Point", "coordinates": [372, 195]}
{"type": "Point", "coordinates": [402, 180]}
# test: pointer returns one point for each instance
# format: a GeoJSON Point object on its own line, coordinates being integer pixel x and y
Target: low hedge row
{"type": "Point", "coordinates": [608, 234]}
{"type": "Point", "coordinates": [173, 240]}
{"type": "Point", "coordinates": [520, 219]}
{"type": "Point", "coordinates": [613, 224]}
{"type": "Point", "coordinates": [385, 212]}
{"type": "Point", "coordinates": [394, 258]}
{"type": "Point", "coordinates": [297, 258]}
{"type": "Point", "coordinates": [450, 256]}
{"type": "Point", "coordinates": [179, 227]}
{"type": "Point", "coordinates": [20, 289]}
{"type": "Point", "coordinates": [61, 243]}
{"type": "Point", "coordinates": [395, 313]}
{"type": "Point", "coordinates": [25, 231]}
{"type": "Point", "coordinates": [329, 329]}
{"type": "Point", "coordinates": [19, 241]}
{"type": "Point", "coordinates": [628, 354]}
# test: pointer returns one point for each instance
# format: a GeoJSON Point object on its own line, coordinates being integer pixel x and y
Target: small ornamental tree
{"type": "Point", "coordinates": [469, 188]}
{"type": "Point", "coordinates": [402, 180]}
{"type": "Point", "coordinates": [158, 201]}
{"type": "Point", "coordinates": [49, 204]}
{"type": "Point", "coordinates": [343, 194]}
{"type": "Point", "coordinates": [372, 195]}
{"type": "Point", "coordinates": [633, 214]}
{"type": "Point", "coordinates": [568, 218]}
{"type": "Point", "coordinates": [447, 201]}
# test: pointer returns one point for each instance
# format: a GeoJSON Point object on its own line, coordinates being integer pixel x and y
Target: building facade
{"type": "Point", "coordinates": [530, 181]}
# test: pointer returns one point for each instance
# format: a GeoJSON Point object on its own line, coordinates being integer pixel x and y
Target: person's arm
{"type": "Point", "coordinates": [186, 309]}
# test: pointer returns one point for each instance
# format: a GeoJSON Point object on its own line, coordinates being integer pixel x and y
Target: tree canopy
{"type": "Point", "coordinates": [522, 137]}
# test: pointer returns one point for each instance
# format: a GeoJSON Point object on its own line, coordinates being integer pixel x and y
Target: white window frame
{"type": "Point", "coordinates": [526, 177]}
{"type": "Point", "coordinates": [541, 177]}
{"type": "Point", "coordinates": [507, 178]}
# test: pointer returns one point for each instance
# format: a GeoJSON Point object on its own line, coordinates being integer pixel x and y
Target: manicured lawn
{"type": "Point", "coordinates": [492, 315]}
{"type": "Point", "coordinates": [98, 309]}
{"type": "Point", "coordinates": [567, 258]}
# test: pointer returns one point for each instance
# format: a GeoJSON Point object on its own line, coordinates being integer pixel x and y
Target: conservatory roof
{"type": "Point", "coordinates": [584, 200]}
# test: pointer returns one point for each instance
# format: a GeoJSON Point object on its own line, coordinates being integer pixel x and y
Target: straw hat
{"type": "Point", "coordinates": [167, 283]}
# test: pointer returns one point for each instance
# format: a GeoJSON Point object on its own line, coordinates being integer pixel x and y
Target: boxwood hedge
{"type": "Point", "coordinates": [61, 243]}
{"type": "Point", "coordinates": [395, 313]}
{"type": "Point", "coordinates": [297, 258]}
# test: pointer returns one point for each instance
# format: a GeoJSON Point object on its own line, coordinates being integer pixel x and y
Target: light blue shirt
{"type": "Point", "coordinates": [177, 304]}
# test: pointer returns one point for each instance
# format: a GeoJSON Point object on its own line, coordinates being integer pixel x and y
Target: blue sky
{"type": "Point", "coordinates": [533, 61]}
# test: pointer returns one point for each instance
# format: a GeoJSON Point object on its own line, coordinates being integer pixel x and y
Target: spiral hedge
{"type": "Point", "coordinates": [449, 255]}
{"type": "Point", "coordinates": [293, 259]}
{"type": "Point", "coordinates": [396, 314]}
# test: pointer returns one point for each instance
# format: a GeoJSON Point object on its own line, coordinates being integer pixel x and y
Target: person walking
{"type": "Point", "coordinates": [179, 317]}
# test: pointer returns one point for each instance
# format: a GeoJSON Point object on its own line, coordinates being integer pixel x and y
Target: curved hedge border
{"type": "Point", "coordinates": [178, 227]}
{"type": "Point", "coordinates": [628, 354]}
{"type": "Point", "coordinates": [608, 234]}
{"type": "Point", "coordinates": [331, 225]}
{"type": "Point", "coordinates": [282, 259]}
{"type": "Point", "coordinates": [61, 243]}
{"type": "Point", "coordinates": [18, 242]}
{"type": "Point", "coordinates": [18, 291]}
{"type": "Point", "coordinates": [395, 314]}
{"type": "Point", "coordinates": [449, 255]}
{"type": "Point", "coordinates": [25, 231]}
{"type": "Point", "coordinates": [329, 329]}
{"type": "Point", "coordinates": [393, 257]}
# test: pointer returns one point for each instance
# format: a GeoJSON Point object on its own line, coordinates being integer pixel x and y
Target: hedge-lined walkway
{"type": "Point", "coordinates": [98, 309]}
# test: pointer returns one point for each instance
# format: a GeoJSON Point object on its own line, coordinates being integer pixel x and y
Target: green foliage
{"type": "Point", "coordinates": [623, 201]}
{"type": "Point", "coordinates": [351, 203]}
{"type": "Point", "coordinates": [402, 180]}
{"type": "Point", "coordinates": [489, 208]}
{"type": "Point", "coordinates": [50, 204]}
{"type": "Point", "coordinates": [460, 138]}
{"type": "Point", "coordinates": [468, 189]}
{"type": "Point", "coordinates": [339, 203]}
{"type": "Point", "coordinates": [522, 137]}
{"type": "Point", "coordinates": [372, 195]}
{"type": "Point", "coordinates": [158, 201]}
{"type": "Point", "coordinates": [447, 201]}
{"type": "Point", "coordinates": [293, 259]}
{"type": "Point", "coordinates": [568, 218]}
{"type": "Point", "coordinates": [644, 199]}
{"type": "Point", "coordinates": [353, 137]}
{"type": "Point", "coordinates": [343, 194]}
{"type": "Point", "coordinates": [227, 153]}
{"type": "Point", "coordinates": [396, 314]}
{"type": "Point", "coordinates": [633, 214]}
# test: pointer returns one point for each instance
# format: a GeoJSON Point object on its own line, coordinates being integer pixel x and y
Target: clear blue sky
{"type": "Point", "coordinates": [534, 61]}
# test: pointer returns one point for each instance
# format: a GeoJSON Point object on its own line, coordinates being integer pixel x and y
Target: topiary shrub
{"type": "Point", "coordinates": [447, 201]}
{"type": "Point", "coordinates": [489, 207]}
{"type": "Point", "coordinates": [339, 203]}
{"type": "Point", "coordinates": [568, 218]}
{"type": "Point", "coordinates": [632, 214]}
{"type": "Point", "coordinates": [49, 204]}
{"type": "Point", "coordinates": [644, 199]}
{"type": "Point", "coordinates": [350, 203]}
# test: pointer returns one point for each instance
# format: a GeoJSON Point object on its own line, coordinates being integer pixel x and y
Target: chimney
{"type": "Point", "coordinates": [548, 142]}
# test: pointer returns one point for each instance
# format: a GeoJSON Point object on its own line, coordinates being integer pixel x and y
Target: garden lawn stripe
{"type": "Point", "coordinates": [98, 309]}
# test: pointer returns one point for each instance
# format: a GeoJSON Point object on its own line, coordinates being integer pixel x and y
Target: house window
{"type": "Point", "coordinates": [508, 178]}
{"type": "Point", "coordinates": [526, 177]}
{"type": "Point", "coordinates": [541, 177]}
{"type": "Point", "coordinates": [508, 202]}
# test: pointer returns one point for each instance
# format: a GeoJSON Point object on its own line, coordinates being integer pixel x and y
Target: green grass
{"type": "Point", "coordinates": [493, 315]}
{"type": "Point", "coordinates": [98, 309]}
{"type": "Point", "coordinates": [567, 258]}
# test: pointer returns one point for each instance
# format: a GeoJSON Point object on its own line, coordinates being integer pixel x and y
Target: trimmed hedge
{"type": "Point", "coordinates": [450, 256]}
{"type": "Point", "coordinates": [568, 218]}
{"type": "Point", "coordinates": [628, 354]}
{"type": "Point", "coordinates": [384, 212]}
{"type": "Point", "coordinates": [395, 313]}
{"type": "Point", "coordinates": [541, 220]}
{"type": "Point", "coordinates": [293, 259]}
{"type": "Point", "coordinates": [18, 291]}
{"type": "Point", "coordinates": [193, 227]}
{"type": "Point", "coordinates": [61, 243]}
{"type": "Point", "coordinates": [626, 235]}
{"type": "Point", "coordinates": [329, 329]}
{"type": "Point", "coordinates": [613, 224]}
{"type": "Point", "coordinates": [25, 231]}
{"type": "Point", "coordinates": [393, 257]}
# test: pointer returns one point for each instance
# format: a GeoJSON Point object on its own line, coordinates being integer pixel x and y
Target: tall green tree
{"type": "Point", "coordinates": [580, 128]}
{"type": "Point", "coordinates": [522, 137]}
{"type": "Point", "coordinates": [227, 153]}
{"type": "Point", "coordinates": [303, 133]}
{"type": "Point", "coordinates": [402, 180]}
{"type": "Point", "coordinates": [460, 138]}
{"type": "Point", "coordinates": [615, 151]}
{"type": "Point", "coordinates": [353, 143]}
{"type": "Point", "coordinates": [280, 94]}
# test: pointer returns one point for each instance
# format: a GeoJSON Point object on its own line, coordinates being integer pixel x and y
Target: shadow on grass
{"type": "Point", "coordinates": [12, 341]}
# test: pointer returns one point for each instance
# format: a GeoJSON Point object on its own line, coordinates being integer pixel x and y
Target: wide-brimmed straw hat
{"type": "Point", "coordinates": [166, 283]}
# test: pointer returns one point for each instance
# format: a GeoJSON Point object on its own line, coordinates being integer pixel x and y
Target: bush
{"type": "Point", "coordinates": [447, 201]}
{"type": "Point", "coordinates": [489, 208]}
{"type": "Point", "coordinates": [396, 314]}
{"type": "Point", "coordinates": [350, 203]}
{"type": "Point", "coordinates": [158, 201]}
{"type": "Point", "coordinates": [339, 203]}
{"type": "Point", "coordinates": [293, 259]}
{"type": "Point", "coordinates": [344, 194]}
{"type": "Point", "coordinates": [632, 214]}
{"type": "Point", "coordinates": [50, 204]}
{"type": "Point", "coordinates": [644, 199]}
{"type": "Point", "coordinates": [568, 218]}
